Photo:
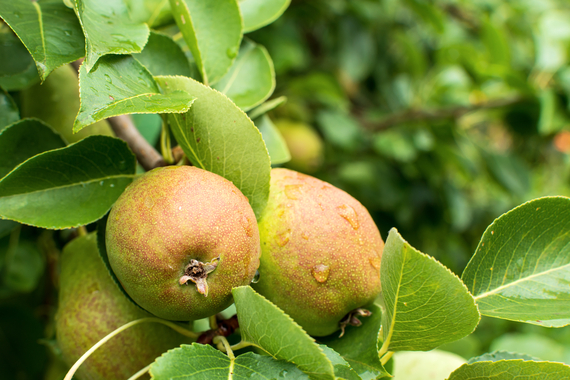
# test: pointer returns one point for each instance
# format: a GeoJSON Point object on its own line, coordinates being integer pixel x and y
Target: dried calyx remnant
{"type": "Point", "coordinates": [352, 319]}
{"type": "Point", "coordinates": [197, 272]}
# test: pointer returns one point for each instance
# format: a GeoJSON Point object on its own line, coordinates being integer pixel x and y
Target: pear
{"type": "Point", "coordinates": [91, 305]}
{"type": "Point", "coordinates": [321, 252]}
{"type": "Point", "coordinates": [179, 239]}
{"type": "Point", "coordinates": [305, 145]}
{"type": "Point", "coordinates": [56, 102]}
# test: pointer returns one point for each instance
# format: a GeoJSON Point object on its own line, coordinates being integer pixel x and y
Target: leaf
{"type": "Point", "coordinates": [276, 145]}
{"type": "Point", "coordinates": [499, 355]}
{"type": "Point", "coordinates": [251, 79]}
{"type": "Point", "coordinates": [25, 267]}
{"type": "Point", "coordinates": [152, 12]}
{"type": "Point", "coordinates": [266, 326]}
{"type": "Point", "coordinates": [20, 70]}
{"type": "Point", "coordinates": [509, 171]}
{"type": "Point", "coordinates": [8, 110]}
{"type": "Point", "coordinates": [68, 187]}
{"type": "Point", "coordinates": [6, 226]}
{"type": "Point", "coordinates": [258, 13]}
{"type": "Point", "coordinates": [163, 56]}
{"type": "Point", "coordinates": [266, 107]}
{"type": "Point", "coordinates": [432, 365]}
{"type": "Point", "coordinates": [521, 268]}
{"type": "Point", "coordinates": [213, 31]}
{"type": "Point", "coordinates": [340, 129]}
{"type": "Point", "coordinates": [121, 85]}
{"type": "Point", "coordinates": [541, 347]}
{"type": "Point", "coordinates": [108, 29]}
{"type": "Point", "coordinates": [23, 140]}
{"type": "Point", "coordinates": [359, 345]}
{"type": "Point", "coordinates": [511, 370]}
{"type": "Point", "coordinates": [219, 137]}
{"type": "Point", "coordinates": [49, 30]}
{"type": "Point", "coordinates": [425, 304]}
{"type": "Point", "coordinates": [198, 361]}
{"type": "Point", "coordinates": [341, 367]}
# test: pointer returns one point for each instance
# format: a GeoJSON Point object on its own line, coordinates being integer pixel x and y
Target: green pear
{"type": "Point", "coordinates": [91, 305]}
{"type": "Point", "coordinates": [305, 145]}
{"type": "Point", "coordinates": [179, 239]}
{"type": "Point", "coordinates": [56, 102]}
{"type": "Point", "coordinates": [321, 252]}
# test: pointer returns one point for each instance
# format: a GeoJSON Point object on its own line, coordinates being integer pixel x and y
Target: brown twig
{"type": "Point", "coordinates": [436, 114]}
{"type": "Point", "coordinates": [125, 129]}
{"type": "Point", "coordinates": [226, 327]}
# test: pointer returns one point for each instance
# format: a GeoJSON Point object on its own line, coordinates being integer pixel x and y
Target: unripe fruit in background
{"type": "Point", "coordinates": [56, 102]}
{"type": "Point", "coordinates": [91, 306]}
{"type": "Point", "coordinates": [179, 239]}
{"type": "Point", "coordinates": [321, 252]}
{"type": "Point", "coordinates": [304, 143]}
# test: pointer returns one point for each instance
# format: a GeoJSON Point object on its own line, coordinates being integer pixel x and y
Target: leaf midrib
{"type": "Point", "coordinates": [41, 22]}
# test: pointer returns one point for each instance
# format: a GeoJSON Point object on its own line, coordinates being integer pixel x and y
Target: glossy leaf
{"type": "Point", "coordinates": [425, 304]}
{"type": "Point", "coordinates": [276, 145]}
{"type": "Point", "coordinates": [511, 370]}
{"type": "Point", "coordinates": [198, 361]}
{"type": "Point", "coordinates": [151, 12]}
{"type": "Point", "coordinates": [163, 56]}
{"type": "Point", "coordinates": [499, 355]}
{"type": "Point", "coordinates": [121, 85]}
{"type": "Point", "coordinates": [266, 326]}
{"type": "Point", "coordinates": [359, 345]}
{"type": "Point", "coordinates": [109, 30]}
{"type": "Point", "coordinates": [341, 367]}
{"type": "Point", "coordinates": [8, 110]}
{"type": "Point", "coordinates": [521, 268]}
{"type": "Point", "coordinates": [219, 137]}
{"type": "Point", "coordinates": [432, 365]}
{"type": "Point", "coordinates": [23, 140]}
{"type": "Point", "coordinates": [68, 187]}
{"type": "Point", "coordinates": [269, 105]}
{"type": "Point", "coordinates": [20, 70]}
{"type": "Point", "coordinates": [258, 13]}
{"type": "Point", "coordinates": [251, 79]}
{"type": "Point", "coordinates": [213, 31]}
{"type": "Point", "coordinates": [49, 30]}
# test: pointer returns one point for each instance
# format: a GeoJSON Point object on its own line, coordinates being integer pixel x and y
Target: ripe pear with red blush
{"type": "Point", "coordinates": [179, 239]}
{"type": "Point", "coordinates": [321, 253]}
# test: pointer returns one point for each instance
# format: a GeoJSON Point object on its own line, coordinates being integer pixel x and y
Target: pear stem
{"type": "Point", "coordinates": [140, 373]}
{"type": "Point", "coordinates": [223, 345]}
{"type": "Point", "coordinates": [240, 345]}
{"type": "Point", "coordinates": [386, 357]}
{"type": "Point", "coordinates": [172, 325]}
{"type": "Point", "coordinates": [213, 322]}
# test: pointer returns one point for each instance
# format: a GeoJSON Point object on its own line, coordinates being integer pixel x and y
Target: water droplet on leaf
{"type": "Point", "coordinates": [232, 52]}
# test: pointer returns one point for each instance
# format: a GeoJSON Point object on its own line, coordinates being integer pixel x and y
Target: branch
{"type": "Point", "coordinates": [437, 114]}
{"type": "Point", "coordinates": [125, 129]}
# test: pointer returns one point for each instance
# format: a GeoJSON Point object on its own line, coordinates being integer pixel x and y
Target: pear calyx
{"type": "Point", "coordinates": [197, 272]}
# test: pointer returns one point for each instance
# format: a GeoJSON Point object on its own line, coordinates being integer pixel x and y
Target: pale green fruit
{"type": "Point", "coordinates": [56, 102]}
{"type": "Point", "coordinates": [321, 252]}
{"type": "Point", "coordinates": [91, 305]}
{"type": "Point", "coordinates": [174, 219]}
{"type": "Point", "coordinates": [305, 145]}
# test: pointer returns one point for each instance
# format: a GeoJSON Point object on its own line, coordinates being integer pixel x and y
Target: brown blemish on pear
{"type": "Point", "coordinates": [321, 252]}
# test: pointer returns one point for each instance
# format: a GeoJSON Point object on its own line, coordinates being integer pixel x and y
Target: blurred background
{"type": "Point", "coordinates": [438, 116]}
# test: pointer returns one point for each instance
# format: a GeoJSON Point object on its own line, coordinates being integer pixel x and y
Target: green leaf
{"type": "Point", "coordinates": [509, 171]}
{"type": "Point", "coordinates": [340, 129]}
{"type": "Point", "coordinates": [23, 140]}
{"type": "Point", "coordinates": [219, 137]}
{"type": "Point", "coordinates": [540, 347]}
{"type": "Point", "coordinates": [359, 345]}
{"type": "Point", "coordinates": [120, 85]}
{"type": "Point", "coordinates": [432, 365]}
{"type": "Point", "coordinates": [269, 105]}
{"type": "Point", "coordinates": [266, 326]}
{"type": "Point", "coordinates": [213, 31]}
{"type": "Point", "coordinates": [425, 304]}
{"type": "Point", "coordinates": [68, 187]}
{"type": "Point", "coordinates": [163, 56]}
{"type": "Point", "coordinates": [49, 30]}
{"type": "Point", "coordinates": [276, 145]}
{"type": "Point", "coordinates": [251, 79]}
{"type": "Point", "coordinates": [109, 30]}
{"type": "Point", "coordinates": [151, 12]}
{"type": "Point", "coordinates": [24, 267]}
{"type": "Point", "coordinates": [521, 268]}
{"type": "Point", "coordinates": [198, 361]}
{"type": "Point", "coordinates": [341, 367]}
{"type": "Point", "coordinates": [511, 370]}
{"type": "Point", "coordinates": [20, 70]}
{"type": "Point", "coordinates": [9, 112]}
{"type": "Point", "coordinates": [499, 355]}
{"type": "Point", "coordinates": [258, 13]}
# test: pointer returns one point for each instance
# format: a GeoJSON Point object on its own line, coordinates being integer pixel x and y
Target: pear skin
{"type": "Point", "coordinates": [91, 306]}
{"type": "Point", "coordinates": [179, 239]}
{"type": "Point", "coordinates": [321, 252]}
